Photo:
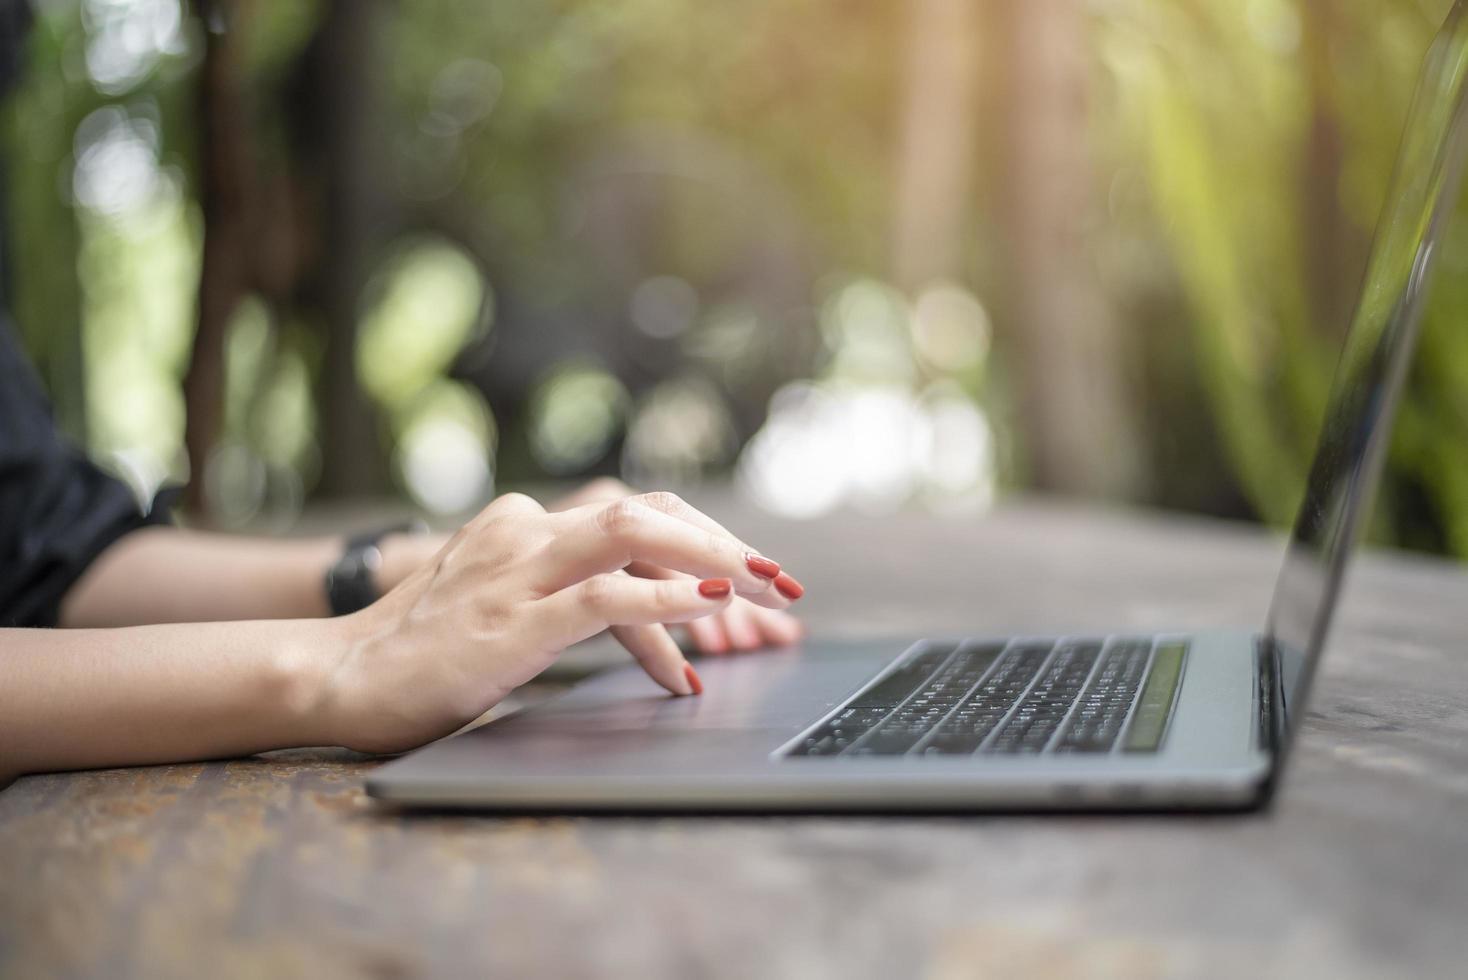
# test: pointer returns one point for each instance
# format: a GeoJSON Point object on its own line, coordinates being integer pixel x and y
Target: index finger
{"type": "Point", "coordinates": [675, 506]}
{"type": "Point", "coordinates": [604, 538]}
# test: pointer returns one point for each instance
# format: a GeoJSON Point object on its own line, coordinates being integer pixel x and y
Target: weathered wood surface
{"type": "Point", "coordinates": [281, 867]}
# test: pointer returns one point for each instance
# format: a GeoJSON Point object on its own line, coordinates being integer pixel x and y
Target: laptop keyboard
{"type": "Point", "coordinates": [1021, 697]}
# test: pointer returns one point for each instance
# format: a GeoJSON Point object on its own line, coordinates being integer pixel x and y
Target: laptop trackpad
{"type": "Point", "coordinates": [783, 690]}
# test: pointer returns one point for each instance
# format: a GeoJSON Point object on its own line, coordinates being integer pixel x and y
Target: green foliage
{"type": "Point", "coordinates": [1220, 100]}
{"type": "Point", "coordinates": [1220, 125]}
{"type": "Point", "coordinates": [1211, 117]}
{"type": "Point", "coordinates": [427, 310]}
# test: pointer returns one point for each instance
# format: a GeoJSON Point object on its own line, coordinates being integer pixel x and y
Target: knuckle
{"type": "Point", "coordinates": [619, 518]}
{"type": "Point", "coordinates": [492, 620]}
{"type": "Point", "coordinates": [514, 502]}
{"type": "Point", "coordinates": [669, 594]}
{"type": "Point", "coordinates": [607, 487]}
{"type": "Point", "coordinates": [596, 592]}
{"type": "Point", "coordinates": [664, 501]}
{"type": "Point", "coordinates": [717, 546]}
{"type": "Point", "coordinates": [500, 534]}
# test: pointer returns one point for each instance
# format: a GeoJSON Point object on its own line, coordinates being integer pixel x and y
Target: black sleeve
{"type": "Point", "coordinates": [58, 511]}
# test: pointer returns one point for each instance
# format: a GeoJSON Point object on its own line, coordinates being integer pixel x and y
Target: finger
{"type": "Point", "coordinates": [614, 599]}
{"type": "Point", "coordinates": [739, 624]}
{"type": "Point", "coordinates": [599, 539]}
{"type": "Point", "coordinates": [652, 647]}
{"type": "Point", "coordinates": [707, 635]}
{"type": "Point", "coordinates": [675, 506]}
{"type": "Point", "coordinates": [644, 569]}
{"type": "Point", "coordinates": [776, 628]}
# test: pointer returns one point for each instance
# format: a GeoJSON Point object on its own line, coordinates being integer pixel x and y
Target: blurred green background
{"type": "Point", "coordinates": [910, 253]}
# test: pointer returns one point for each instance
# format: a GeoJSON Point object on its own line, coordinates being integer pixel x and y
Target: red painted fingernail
{"type": "Point", "coordinates": [693, 680]}
{"type": "Point", "coordinates": [761, 565]}
{"type": "Point", "coordinates": [715, 588]}
{"type": "Point", "coordinates": [788, 587]}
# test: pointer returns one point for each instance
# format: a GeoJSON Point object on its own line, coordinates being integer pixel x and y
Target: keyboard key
{"type": "Point", "coordinates": [1035, 721]}
{"type": "Point", "coordinates": [1103, 707]}
{"type": "Point", "coordinates": [945, 689]}
{"type": "Point", "coordinates": [972, 721]}
{"type": "Point", "coordinates": [1155, 705]}
{"type": "Point", "coordinates": [948, 699]}
{"type": "Point", "coordinates": [840, 731]}
{"type": "Point", "coordinates": [871, 706]}
{"type": "Point", "coordinates": [893, 689]}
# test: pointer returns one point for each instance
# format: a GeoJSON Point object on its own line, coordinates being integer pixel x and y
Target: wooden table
{"type": "Point", "coordinates": [281, 867]}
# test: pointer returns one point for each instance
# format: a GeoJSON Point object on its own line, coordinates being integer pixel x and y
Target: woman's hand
{"type": "Point", "coordinates": [516, 586]}
{"type": "Point", "coordinates": [741, 625]}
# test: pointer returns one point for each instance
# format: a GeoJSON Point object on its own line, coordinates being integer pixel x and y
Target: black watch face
{"type": "Point", "coordinates": [351, 585]}
{"type": "Point", "coordinates": [362, 563]}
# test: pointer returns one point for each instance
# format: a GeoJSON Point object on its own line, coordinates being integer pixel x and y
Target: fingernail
{"type": "Point", "coordinates": [761, 565]}
{"type": "Point", "coordinates": [788, 587]}
{"type": "Point", "coordinates": [694, 683]}
{"type": "Point", "coordinates": [715, 588]}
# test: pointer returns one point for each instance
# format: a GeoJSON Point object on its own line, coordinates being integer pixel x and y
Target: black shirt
{"type": "Point", "coordinates": [58, 511]}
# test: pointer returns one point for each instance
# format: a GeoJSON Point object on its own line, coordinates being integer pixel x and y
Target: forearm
{"type": "Point", "coordinates": [478, 616]}
{"type": "Point", "coordinates": [76, 699]}
{"type": "Point", "coordinates": [168, 575]}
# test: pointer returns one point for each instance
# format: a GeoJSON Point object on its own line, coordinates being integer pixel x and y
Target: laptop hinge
{"type": "Point", "coordinates": [1273, 719]}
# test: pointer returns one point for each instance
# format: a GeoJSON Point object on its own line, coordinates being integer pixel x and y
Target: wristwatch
{"type": "Point", "coordinates": [351, 584]}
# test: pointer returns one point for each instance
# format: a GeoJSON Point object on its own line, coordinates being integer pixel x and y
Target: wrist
{"type": "Point", "coordinates": [400, 556]}
{"type": "Point", "coordinates": [373, 564]}
{"type": "Point", "coordinates": [403, 553]}
{"type": "Point", "coordinates": [308, 678]}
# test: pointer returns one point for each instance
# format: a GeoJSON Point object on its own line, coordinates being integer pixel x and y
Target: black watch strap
{"type": "Point", "coordinates": [351, 584]}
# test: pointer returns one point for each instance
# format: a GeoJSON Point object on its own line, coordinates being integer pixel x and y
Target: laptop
{"type": "Point", "coordinates": [1185, 720]}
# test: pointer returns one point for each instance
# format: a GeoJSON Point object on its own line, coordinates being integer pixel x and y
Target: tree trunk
{"type": "Point", "coordinates": [1073, 399]}
{"type": "Point", "coordinates": [351, 452]}
{"type": "Point", "coordinates": [937, 146]}
{"type": "Point", "coordinates": [225, 198]}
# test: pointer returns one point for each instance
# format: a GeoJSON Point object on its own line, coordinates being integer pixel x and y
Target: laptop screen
{"type": "Point", "coordinates": [1373, 365]}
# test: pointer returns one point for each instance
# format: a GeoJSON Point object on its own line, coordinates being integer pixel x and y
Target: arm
{"type": "Point", "coordinates": [168, 575]}
{"type": "Point", "coordinates": [493, 609]}
{"type": "Point", "coordinates": [74, 699]}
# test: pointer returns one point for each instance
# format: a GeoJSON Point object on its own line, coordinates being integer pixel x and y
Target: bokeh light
{"type": "Point", "coordinates": [429, 303]}
{"type": "Point", "coordinates": [137, 268]}
{"type": "Point", "coordinates": [574, 416]}
{"type": "Point", "coordinates": [664, 306]}
{"type": "Point", "coordinates": [430, 300]}
{"type": "Point", "coordinates": [950, 328]}
{"type": "Point", "coordinates": [680, 432]}
{"type": "Point", "coordinates": [445, 451]}
{"type": "Point", "coordinates": [871, 433]}
{"type": "Point", "coordinates": [716, 252]}
{"type": "Point", "coordinates": [116, 162]}
{"type": "Point", "coordinates": [127, 38]}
